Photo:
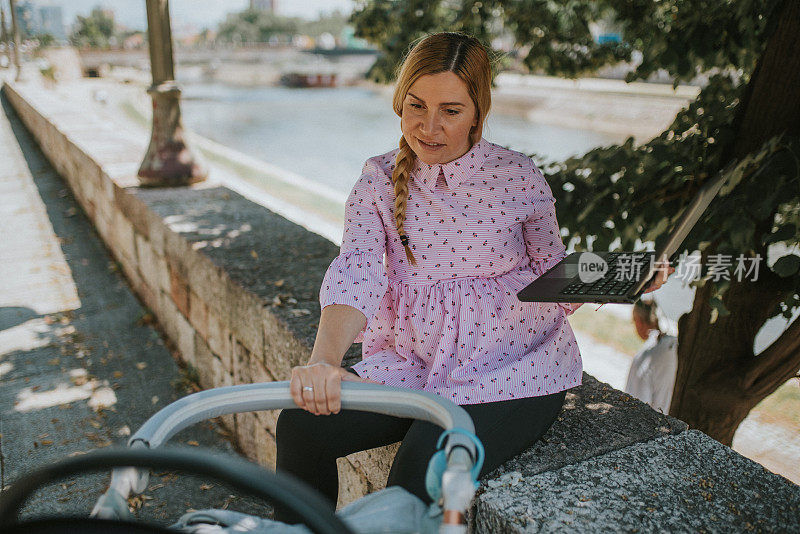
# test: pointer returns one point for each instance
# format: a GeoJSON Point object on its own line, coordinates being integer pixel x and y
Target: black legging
{"type": "Point", "coordinates": [308, 445]}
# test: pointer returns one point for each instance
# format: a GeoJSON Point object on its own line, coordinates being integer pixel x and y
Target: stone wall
{"type": "Point", "coordinates": [219, 272]}
{"type": "Point", "coordinates": [235, 288]}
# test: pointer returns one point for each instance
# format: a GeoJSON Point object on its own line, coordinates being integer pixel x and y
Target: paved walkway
{"type": "Point", "coordinates": [80, 368]}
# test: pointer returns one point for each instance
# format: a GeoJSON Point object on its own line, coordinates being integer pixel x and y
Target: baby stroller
{"type": "Point", "coordinates": [451, 479]}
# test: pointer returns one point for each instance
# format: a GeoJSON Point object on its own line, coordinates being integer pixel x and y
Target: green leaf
{"type": "Point", "coordinates": [787, 265]}
{"type": "Point", "coordinates": [786, 231]}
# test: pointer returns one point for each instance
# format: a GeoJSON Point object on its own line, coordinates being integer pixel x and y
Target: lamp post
{"type": "Point", "coordinates": [168, 161]}
{"type": "Point", "coordinates": [15, 37]}
{"type": "Point", "coordinates": [4, 37]}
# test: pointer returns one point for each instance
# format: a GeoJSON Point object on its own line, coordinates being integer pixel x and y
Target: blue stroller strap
{"type": "Point", "coordinates": [438, 463]}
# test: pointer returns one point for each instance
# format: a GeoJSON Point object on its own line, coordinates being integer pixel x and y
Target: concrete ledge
{"type": "Point", "coordinates": [235, 288]}
{"type": "Point", "coordinates": [683, 483]}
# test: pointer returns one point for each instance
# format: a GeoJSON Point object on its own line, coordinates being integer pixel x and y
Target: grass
{"type": "Point", "coordinates": [782, 407]}
{"type": "Point", "coordinates": [607, 329]}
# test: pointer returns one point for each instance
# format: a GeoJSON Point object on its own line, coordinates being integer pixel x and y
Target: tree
{"type": "Point", "coordinates": [746, 120]}
{"type": "Point", "coordinates": [255, 26]}
{"type": "Point", "coordinates": [95, 31]}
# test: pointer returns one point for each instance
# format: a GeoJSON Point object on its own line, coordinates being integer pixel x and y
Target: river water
{"type": "Point", "coordinates": [326, 134]}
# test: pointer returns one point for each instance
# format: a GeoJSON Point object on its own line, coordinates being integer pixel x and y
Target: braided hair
{"type": "Point", "coordinates": [453, 52]}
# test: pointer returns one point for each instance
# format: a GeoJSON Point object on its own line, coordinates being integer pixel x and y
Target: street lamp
{"type": "Point", "coordinates": [168, 161]}
{"type": "Point", "coordinates": [4, 37]}
{"type": "Point", "coordinates": [15, 37]}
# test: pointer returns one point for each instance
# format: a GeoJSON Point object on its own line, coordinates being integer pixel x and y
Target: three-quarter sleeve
{"type": "Point", "coordinates": [357, 276]}
{"type": "Point", "coordinates": [540, 229]}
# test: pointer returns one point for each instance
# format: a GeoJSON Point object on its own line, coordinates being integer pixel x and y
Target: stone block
{"type": "Point", "coordinates": [676, 483]}
{"type": "Point", "coordinates": [177, 251]}
{"type": "Point", "coordinates": [150, 297]}
{"type": "Point", "coordinates": [103, 208]}
{"type": "Point", "coordinates": [122, 240]}
{"type": "Point", "coordinates": [245, 319]}
{"type": "Point", "coordinates": [152, 266]}
{"type": "Point", "coordinates": [198, 314]}
{"type": "Point", "coordinates": [102, 224]}
{"type": "Point", "coordinates": [352, 483]}
{"type": "Point", "coordinates": [209, 367]}
{"type": "Point", "coordinates": [254, 440]}
{"type": "Point", "coordinates": [269, 420]}
{"type": "Point", "coordinates": [177, 328]}
{"type": "Point", "coordinates": [209, 281]}
{"type": "Point", "coordinates": [157, 228]}
{"type": "Point", "coordinates": [131, 271]}
{"type": "Point", "coordinates": [108, 187]}
{"type": "Point", "coordinates": [134, 210]}
{"type": "Point", "coordinates": [256, 372]}
{"type": "Point", "coordinates": [219, 339]}
{"type": "Point", "coordinates": [282, 350]}
{"type": "Point", "coordinates": [374, 464]}
{"type": "Point", "coordinates": [241, 362]}
{"type": "Point", "coordinates": [596, 419]}
{"type": "Point", "coordinates": [185, 341]}
{"type": "Point", "coordinates": [178, 290]}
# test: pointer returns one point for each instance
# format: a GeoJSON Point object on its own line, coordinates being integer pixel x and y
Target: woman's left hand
{"type": "Point", "coordinates": [663, 270]}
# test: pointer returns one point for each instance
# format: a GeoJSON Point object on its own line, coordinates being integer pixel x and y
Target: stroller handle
{"type": "Point", "coordinates": [211, 403]}
{"type": "Point", "coordinates": [387, 400]}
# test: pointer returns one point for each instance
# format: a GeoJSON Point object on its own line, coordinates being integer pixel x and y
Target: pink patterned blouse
{"type": "Point", "coordinates": [481, 227]}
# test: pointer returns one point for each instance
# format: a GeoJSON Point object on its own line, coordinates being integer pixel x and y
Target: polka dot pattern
{"type": "Point", "coordinates": [481, 227]}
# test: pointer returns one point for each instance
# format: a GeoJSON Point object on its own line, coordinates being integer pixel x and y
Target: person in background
{"type": "Point", "coordinates": [652, 374]}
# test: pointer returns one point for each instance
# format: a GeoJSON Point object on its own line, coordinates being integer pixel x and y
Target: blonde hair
{"type": "Point", "coordinates": [453, 52]}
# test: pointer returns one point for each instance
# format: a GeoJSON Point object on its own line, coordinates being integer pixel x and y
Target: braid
{"type": "Point", "coordinates": [400, 176]}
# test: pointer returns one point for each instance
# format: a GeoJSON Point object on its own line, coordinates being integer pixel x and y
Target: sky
{"type": "Point", "coordinates": [197, 13]}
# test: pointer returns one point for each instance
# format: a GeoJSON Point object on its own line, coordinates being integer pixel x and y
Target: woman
{"type": "Point", "coordinates": [464, 224]}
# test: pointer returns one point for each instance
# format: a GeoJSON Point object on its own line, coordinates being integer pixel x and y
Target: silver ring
{"type": "Point", "coordinates": [308, 388]}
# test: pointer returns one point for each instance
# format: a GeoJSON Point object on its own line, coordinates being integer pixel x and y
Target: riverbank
{"type": "Point", "coordinates": [637, 109]}
{"type": "Point", "coordinates": [613, 107]}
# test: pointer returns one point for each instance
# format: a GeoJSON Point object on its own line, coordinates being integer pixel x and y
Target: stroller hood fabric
{"type": "Point", "coordinates": [389, 511]}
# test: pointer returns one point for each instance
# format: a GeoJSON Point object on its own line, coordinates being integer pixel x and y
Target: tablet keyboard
{"type": "Point", "coordinates": [611, 283]}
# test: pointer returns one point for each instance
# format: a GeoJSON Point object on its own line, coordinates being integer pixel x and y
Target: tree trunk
{"type": "Point", "coordinates": [719, 379]}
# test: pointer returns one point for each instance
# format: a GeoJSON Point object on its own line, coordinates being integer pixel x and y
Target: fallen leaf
{"type": "Point", "coordinates": [118, 374]}
{"type": "Point", "coordinates": [193, 443]}
{"type": "Point", "coordinates": [204, 487]}
{"type": "Point", "coordinates": [279, 283]}
{"type": "Point", "coordinates": [254, 254]}
{"type": "Point", "coordinates": [141, 365]}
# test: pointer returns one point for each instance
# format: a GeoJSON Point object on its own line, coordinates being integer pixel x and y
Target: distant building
{"type": "Point", "coordinates": [51, 21]}
{"type": "Point", "coordinates": [38, 18]}
{"type": "Point", "coordinates": [25, 20]}
{"type": "Point", "coordinates": [263, 5]}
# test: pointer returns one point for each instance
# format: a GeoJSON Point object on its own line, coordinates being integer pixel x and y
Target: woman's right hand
{"type": "Point", "coordinates": [317, 387]}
